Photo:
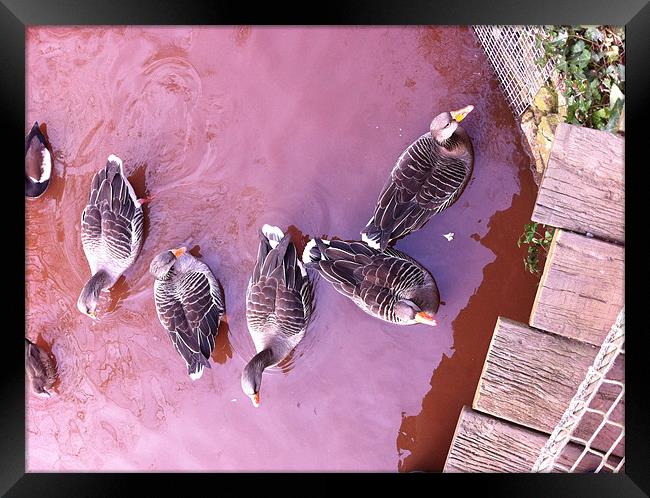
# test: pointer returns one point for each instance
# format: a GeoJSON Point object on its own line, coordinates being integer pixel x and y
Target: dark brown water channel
{"type": "Point", "coordinates": [230, 128]}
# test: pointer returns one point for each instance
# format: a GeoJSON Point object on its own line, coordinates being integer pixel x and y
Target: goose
{"type": "Point", "coordinates": [388, 285]}
{"type": "Point", "coordinates": [111, 231]}
{"type": "Point", "coordinates": [190, 305]}
{"type": "Point", "coordinates": [428, 177]}
{"type": "Point", "coordinates": [40, 368]}
{"type": "Point", "coordinates": [38, 163]}
{"type": "Point", "coordinates": [279, 304]}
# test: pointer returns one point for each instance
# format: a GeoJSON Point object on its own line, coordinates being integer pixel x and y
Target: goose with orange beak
{"type": "Point", "coordinates": [190, 305]}
{"type": "Point", "coordinates": [279, 303]}
{"type": "Point", "coordinates": [388, 285]}
{"type": "Point", "coordinates": [111, 231]}
{"type": "Point", "coordinates": [461, 114]}
{"type": "Point", "coordinates": [428, 177]}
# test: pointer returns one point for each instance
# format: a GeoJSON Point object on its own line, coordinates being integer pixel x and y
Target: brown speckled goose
{"type": "Point", "coordinates": [279, 304]}
{"type": "Point", "coordinates": [38, 163]}
{"type": "Point", "coordinates": [111, 231]}
{"type": "Point", "coordinates": [428, 177]}
{"type": "Point", "coordinates": [40, 368]}
{"type": "Point", "coordinates": [190, 305]}
{"type": "Point", "coordinates": [388, 285]}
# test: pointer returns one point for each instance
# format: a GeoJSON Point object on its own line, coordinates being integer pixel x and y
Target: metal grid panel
{"type": "Point", "coordinates": [604, 457]}
{"type": "Point", "coordinates": [612, 346]}
{"type": "Point", "coordinates": [512, 53]}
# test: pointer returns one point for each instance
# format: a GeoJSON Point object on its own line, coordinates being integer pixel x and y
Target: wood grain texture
{"type": "Point", "coordinates": [529, 377]}
{"type": "Point", "coordinates": [583, 185]}
{"type": "Point", "coordinates": [581, 290]}
{"type": "Point", "coordinates": [483, 443]}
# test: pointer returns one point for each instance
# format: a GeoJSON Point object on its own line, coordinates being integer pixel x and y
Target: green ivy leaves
{"type": "Point", "coordinates": [537, 237]}
{"type": "Point", "coordinates": [591, 62]}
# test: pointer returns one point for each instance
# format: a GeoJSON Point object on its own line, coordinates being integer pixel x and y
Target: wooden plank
{"type": "Point", "coordinates": [581, 290]}
{"type": "Point", "coordinates": [583, 185]}
{"type": "Point", "coordinates": [483, 443]}
{"type": "Point", "coordinates": [529, 377]}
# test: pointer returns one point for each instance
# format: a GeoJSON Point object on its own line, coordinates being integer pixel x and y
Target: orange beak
{"type": "Point", "coordinates": [461, 113]}
{"type": "Point", "coordinates": [255, 398]}
{"type": "Point", "coordinates": [179, 252]}
{"type": "Point", "coordinates": [426, 318]}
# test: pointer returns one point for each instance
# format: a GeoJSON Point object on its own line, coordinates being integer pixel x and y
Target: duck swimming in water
{"type": "Point", "coordinates": [279, 303]}
{"type": "Point", "coordinates": [111, 231]}
{"type": "Point", "coordinates": [428, 177]}
{"type": "Point", "coordinates": [38, 163]}
{"type": "Point", "coordinates": [388, 285]}
{"type": "Point", "coordinates": [190, 305]}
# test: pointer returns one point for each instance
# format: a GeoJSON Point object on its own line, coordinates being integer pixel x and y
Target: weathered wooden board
{"type": "Point", "coordinates": [583, 185]}
{"type": "Point", "coordinates": [483, 443]}
{"type": "Point", "coordinates": [529, 377]}
{"type": "Point", "coordinates": [581, 290]}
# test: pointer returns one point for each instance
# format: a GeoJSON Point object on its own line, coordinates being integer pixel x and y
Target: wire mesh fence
{"type": "Point", "coordinates": [609, 418]}
{"type": "Point", "coordinates": [514, 56]}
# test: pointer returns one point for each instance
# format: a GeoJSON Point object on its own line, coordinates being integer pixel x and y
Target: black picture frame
{"type": "Point", "coordinates": [15, 15]}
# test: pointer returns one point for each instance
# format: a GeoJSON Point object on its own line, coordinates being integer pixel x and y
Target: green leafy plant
{"type": "Point", "coordinates": [538, 237]}
{"type": "Point", "coordinates": [591, 63]}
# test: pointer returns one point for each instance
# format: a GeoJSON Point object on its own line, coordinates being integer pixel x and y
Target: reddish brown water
{"type": "Point", "coordinates": [230, 128]}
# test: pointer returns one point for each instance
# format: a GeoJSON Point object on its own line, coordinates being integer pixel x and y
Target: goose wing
{"type": "Point", "coordinates": [423, 182]}
{"type": "Point", "coordinates": [382, 282]}
{"type": "Point", "coordinates": [342, 264]}
{"type": "Point", "coordinates": [271, 303]}
{"type": "Point", "coordinates": [262, 286]}
{"type": "Point", "coordinates": [393, 270]}
{"type": "Point", "coordinates": [260, 303]}
{"type": "Point", "coordinates": [280, 293]}
{"type": "Point", "coordinates": [294, 300]}
{"type": "Point", "coordinates": [370, 278]}
{"type": "Point", "coordinates": [112, 220]}
{"type": "Point", "coordinates": [203, 305]}
{"type": "Point", "coordinates": [190, 343]}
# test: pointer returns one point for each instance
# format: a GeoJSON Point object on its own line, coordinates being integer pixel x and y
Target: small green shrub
{"type": "Point", "coordinates": [537, 237]}
{"type": "Point", "coordinates": [591, 64]}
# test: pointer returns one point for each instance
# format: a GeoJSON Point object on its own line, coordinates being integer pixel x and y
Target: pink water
{"type": "Point", "coordinates": [230, 128]}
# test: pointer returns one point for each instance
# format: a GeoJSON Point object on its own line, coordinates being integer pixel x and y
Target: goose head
{"type": "Point", "coordinates": [251, 381]}
{"type": "Point", "coordinates": [409, 312]}
{"type": "Point", "coordinates": [87, 301]}
{"type": "Point", "coordinates": [89, 296]}
{"type": "Point", "coordinates": [251, 377]}
{"type": "Point", "coordinates": [164, 261]}
{"type": "Point", "coordinates": [445, 124]}
{"type": "Point", "coordinates": [420, 306]}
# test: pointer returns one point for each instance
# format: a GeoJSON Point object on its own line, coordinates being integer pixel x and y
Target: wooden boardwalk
{"type": "Point", "coordinates": [532, 371]}
{"type": "Point", "coordinates": [483, 443]}
{"type": "Point", "coordinates": [581, 290]}
{"type": "Point", "coordinates": [583, 186]}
